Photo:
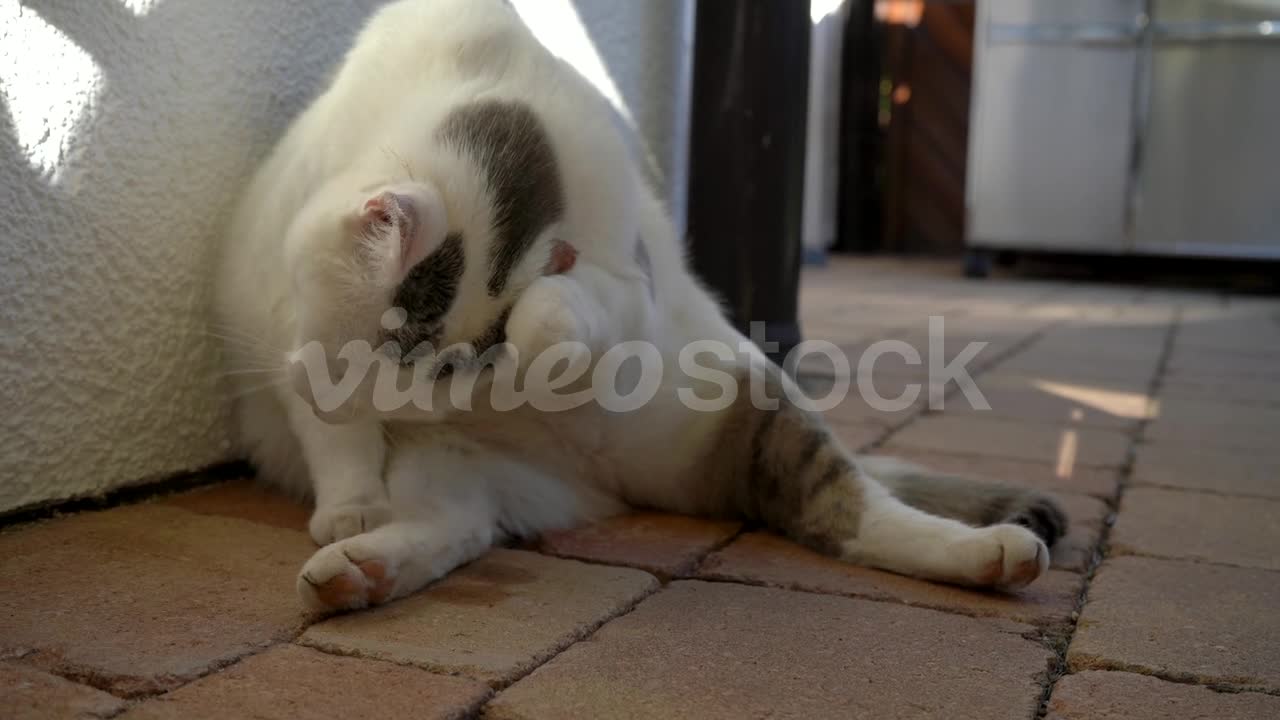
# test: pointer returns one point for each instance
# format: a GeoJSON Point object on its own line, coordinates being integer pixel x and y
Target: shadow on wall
{"type": "Point", "coordinates": [127, 130]}
{"type": "Point", "coordinates": [113, 185]}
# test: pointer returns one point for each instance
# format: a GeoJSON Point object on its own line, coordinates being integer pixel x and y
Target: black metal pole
{"type": "Point", "coordinates": [746, 173]}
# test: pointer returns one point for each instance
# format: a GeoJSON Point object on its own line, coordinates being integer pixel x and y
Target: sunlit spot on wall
{"type": "Point", "coordinates": [557, 25]}
{"type": "Point", "coordinates": [140, 7]}
{"type": "Point", "coordinates": [49, 85]}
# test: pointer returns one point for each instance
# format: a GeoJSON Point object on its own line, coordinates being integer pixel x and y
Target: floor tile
{"type": "Point", "coordinates": [1196, 468]}
{"type": "Point", "coordinates": [1064, 446]}
{"type": "Point", "coordinates": [1092, 404]}
{"type": "Point", "coordinates": [1198, 526]}
{"type": "Point", "coordinates": [1090, 695]}
{"type": "Point", "coordinates": [30, 694]}
{"type": "Point", "coordinates": [291, 682]}
{"type": "Point", "coordinates": [1087, 517]}
{"type": "Point", "coordinates": [765, 559]}
{"type": "Point", "coordinates": [1075, 478]}
{"type": "Point", "coordinates": [139, 599]}
{"type": "Point", "coordinates": [247, 500]}
{"type": "Point", "coordinates": [1216, 424]}
{"type": "Point", "coordinates": [493, 620]}
{"type": "Point", "coordinates": [716, 650]}
{"type": "Point", "coordinates": [1185, 621]}
{"type": "Point", "coordinates": [665, 545]}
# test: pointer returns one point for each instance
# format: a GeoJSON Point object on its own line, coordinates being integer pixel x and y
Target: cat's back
{"type": "Point", "coordinates": [418, 61]}
{"type": "Point", "coordinates": [410, 44]}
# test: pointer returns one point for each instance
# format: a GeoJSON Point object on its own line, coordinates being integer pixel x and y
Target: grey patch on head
{"type": "Point", "coordinates": [506, 139]}
{"type": "Point", "coordinates": [646, 265]}
{"type": "Point", "coordinates": [426, 295]}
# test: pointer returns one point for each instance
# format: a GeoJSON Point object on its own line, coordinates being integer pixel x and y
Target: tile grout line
{"type": "Point", "coordinates": [1211, 492]}
{"type": "Point", "coordinates": [663, 580]}
{"type": "Point", "coordinates": [1060, 667]}
{"type": "Point", "coordinates": [1223, 687]}
{"type": "Point", "coordinates": [1186, 560]}
{"type": "Point", "coordinates": [1012, 351]}
{"type": "Point", "coordinates": [1042, 629]}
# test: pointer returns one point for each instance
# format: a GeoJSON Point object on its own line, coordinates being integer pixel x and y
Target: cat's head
{"type": "Point", "coordinates": [433, 267]}
{"type": "Point", "coordinates": [406, 272]}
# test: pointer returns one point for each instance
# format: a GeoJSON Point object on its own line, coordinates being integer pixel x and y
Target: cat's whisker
{"type": "Point", "coordinates": [252, 371]}
{"type": "Point", "coordinates": [247, 348]}
{"type": "Point", "coordinates": [244, 392]}
{"type": "Point", "coordinates": [238, 335]}
{"type": "Point", "coordinates": [403, 163]}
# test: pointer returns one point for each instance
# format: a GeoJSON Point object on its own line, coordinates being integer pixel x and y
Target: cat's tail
{"type": "Point", "coordinates": [971, 501]}
{"type": "Point", "coordinates": [786, 471]}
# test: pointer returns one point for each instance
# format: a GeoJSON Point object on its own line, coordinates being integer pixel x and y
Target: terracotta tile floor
{"type": "Point", "coordinates": [183, 606]}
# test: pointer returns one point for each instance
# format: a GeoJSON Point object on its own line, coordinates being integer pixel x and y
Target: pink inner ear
{"type": "Point", "coordinates": [563, 257]}
{"type": "Point", "coordinates": [387, 209]}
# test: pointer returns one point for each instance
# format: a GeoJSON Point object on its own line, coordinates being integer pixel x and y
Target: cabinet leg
{"type": "Point", "coordinates": [977, 263]}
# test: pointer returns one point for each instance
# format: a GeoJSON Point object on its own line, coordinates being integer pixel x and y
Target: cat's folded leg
{"type": "Point", "coordinates": [390, 562]}
{"type": "Point", "coordinates": [345, 463]}
{"type": "Point", "coordinates": [452, 501]}
{"type": "Point", "coordinates": [444, 517]}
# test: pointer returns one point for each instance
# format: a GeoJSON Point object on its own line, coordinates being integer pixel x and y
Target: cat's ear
{"type": "Point", "coordinates": [403, 225]}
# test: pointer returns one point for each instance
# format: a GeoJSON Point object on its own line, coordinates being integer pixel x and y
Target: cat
{"type": "Point", "coordinates": [458, 186]}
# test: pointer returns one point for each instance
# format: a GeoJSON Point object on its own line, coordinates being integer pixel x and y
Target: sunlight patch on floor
{"type": "Point", "coordinates": [1130, 405]}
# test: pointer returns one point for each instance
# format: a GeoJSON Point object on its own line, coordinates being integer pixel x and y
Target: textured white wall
{"type": "Point", "coordinates": [126, 130]}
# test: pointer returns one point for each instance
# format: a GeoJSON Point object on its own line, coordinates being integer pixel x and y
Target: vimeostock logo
{"type": "Point", "coordinates": [704, 376]}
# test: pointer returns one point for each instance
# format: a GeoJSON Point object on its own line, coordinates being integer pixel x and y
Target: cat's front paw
{"type": "Point", "coordinates": [342, 577]}
{"type": "Point", "coordinates": [332, 523]}
{"type": "Point", "coordinates": [544, 317]}
{"type": "Point", "coordinates": [1004, 557]}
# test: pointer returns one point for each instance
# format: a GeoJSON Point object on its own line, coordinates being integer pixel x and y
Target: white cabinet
{"type": "Point", "coordinates": [1115, 126]}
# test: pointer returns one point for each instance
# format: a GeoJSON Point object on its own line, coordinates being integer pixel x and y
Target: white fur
{"type": "Point", "coordinates": [401, 503]}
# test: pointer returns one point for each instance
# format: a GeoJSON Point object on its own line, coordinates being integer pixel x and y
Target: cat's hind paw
{"type": "Point", "coordinates": [1004, 557]}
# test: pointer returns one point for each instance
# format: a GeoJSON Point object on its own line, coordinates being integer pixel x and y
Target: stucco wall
{"type": "Point", "coordinates": [126, 129]}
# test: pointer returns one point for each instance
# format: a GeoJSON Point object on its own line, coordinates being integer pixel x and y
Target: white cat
{"type": "Point", "coordinates": [452, 169]}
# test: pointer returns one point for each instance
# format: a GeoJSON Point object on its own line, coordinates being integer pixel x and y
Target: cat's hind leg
{"type": "Point", "coordinates": [895, 536]}
{"type": "Point", "coordinates": [786, 471]}
{"type": "Point", "coordinates": [443, 517]}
